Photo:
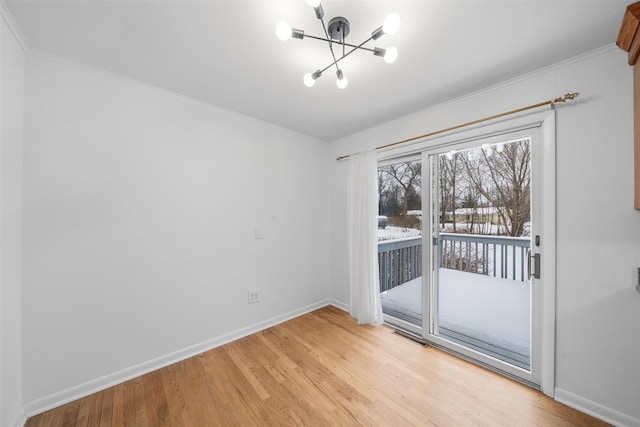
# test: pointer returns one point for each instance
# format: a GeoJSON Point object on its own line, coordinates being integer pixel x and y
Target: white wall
{"type": "Point", "coordinates": [598, 232]}
{"type": "Point", "coordinates": [11, 121]}
{"type": "Point", "coordinates": [140, 208]}
{"type": "Point", "coordinates": [139, 217]}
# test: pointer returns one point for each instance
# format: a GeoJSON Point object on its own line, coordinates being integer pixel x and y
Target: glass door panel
{"type": "Point", "coordinates": [480, 203]}
{"type": "Point", "coordinates": [400, 243]}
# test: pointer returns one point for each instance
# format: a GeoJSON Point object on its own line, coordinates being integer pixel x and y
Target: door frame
{"type": "Point", "coordinates": [541, 126]}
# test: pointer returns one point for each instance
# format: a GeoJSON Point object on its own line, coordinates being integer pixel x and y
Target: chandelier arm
{"type": "Point", "coordinates": [341, 43]}
{"type": "Point", "coordinates": [345, 55]}
{"type": "Point", "coordinates": [335, 61]}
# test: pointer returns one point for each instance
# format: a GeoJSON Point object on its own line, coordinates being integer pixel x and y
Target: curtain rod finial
{"type": "Point", "coordinates": [566, 97]}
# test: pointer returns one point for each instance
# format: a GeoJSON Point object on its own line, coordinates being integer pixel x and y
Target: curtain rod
{"type": "Point", "coordinates": [552, 102]}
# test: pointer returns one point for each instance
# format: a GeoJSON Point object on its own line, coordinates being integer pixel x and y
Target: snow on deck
{"type": "Point", "coordinates": [484, 312]}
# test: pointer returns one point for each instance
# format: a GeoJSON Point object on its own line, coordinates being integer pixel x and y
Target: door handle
{"type": "Point", "coordinates": [536, 269]}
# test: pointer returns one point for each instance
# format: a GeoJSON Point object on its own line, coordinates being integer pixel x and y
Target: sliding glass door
{"type": "Point", "coordinates": [462, 235]}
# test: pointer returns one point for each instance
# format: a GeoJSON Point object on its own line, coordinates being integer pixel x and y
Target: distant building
{"type": "Point", "coordinates": [485, 214]}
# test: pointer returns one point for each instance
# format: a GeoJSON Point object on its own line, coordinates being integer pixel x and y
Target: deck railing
{"type": "Point", "coordinates": [497, 256]}
{"type": "Point", "coordinates": [400, 261]}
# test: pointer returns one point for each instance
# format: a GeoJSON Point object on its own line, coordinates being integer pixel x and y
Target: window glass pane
{"type": "Point", "coordinates": [399, 240]}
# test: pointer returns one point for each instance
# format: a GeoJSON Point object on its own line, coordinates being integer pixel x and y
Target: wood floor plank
{"type": "Point", "coordinates": [95, 410]}
{"type": "Point", "coordinates": [129, 407]}
{"type": "Point", "coordinates": [84, 410]}
{"type": "Point", "coordinates": [298, 381]}
{"type": "Point", "coordinates": [106, 411]}
{"type": "Point", "coordinates": [284, 406]}
{"type": "Point", "coordinates": [117, 412]}
{"type": "Point", "coordinates": [140, 410]}
{"type": "Point", "coordinates": [155, 400]}
{"type": "Point", "coordinates": [201, 382]}
{"type": "Point", "coordinates": [321, 369]}
{"type": "Point", "coordinates": [175, 397]}
{"type": "Point", "coordinates": [240, 395]}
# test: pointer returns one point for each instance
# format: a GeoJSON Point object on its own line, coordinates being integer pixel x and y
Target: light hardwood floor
{"type": "Point", "coordinates": [319, 369]}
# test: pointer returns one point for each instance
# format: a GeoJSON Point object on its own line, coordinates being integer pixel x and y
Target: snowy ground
{"type": "Point", "coordinates": [462, 227]}
{"type": "Point", "coordinates": [485, 229]}
{"type": "Point", "coordinates": [393, 233]}
{"type": "Point", "coordinates": [484, 311]}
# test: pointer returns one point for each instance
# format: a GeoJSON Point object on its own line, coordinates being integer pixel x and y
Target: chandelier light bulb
{"type": "Point", "coordinates": [313, 3]}
{"type": "Point", "coordinates": [342, 82]}
{"type": "Point", "coordinates": [283, 30]}
{"type": "Point", "coordinates": [391, 24]}
{"type": "Point", "coordinates": [308, 80]}
{"type": "Point", "coordinates": [390, 55]}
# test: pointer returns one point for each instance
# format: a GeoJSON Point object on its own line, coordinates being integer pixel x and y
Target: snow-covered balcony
{"type": "Point", "coordinates": [483, 291]}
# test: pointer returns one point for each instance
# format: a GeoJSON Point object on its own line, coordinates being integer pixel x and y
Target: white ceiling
{"type": "Point", "coordinates": [226, 53]}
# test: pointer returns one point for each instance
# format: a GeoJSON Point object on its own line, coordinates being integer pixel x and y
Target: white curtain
{"type": "Point", "coordinates": [362, 225]}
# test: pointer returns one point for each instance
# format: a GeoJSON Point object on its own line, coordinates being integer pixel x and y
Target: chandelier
{"type": "Point", "coordinates": [335, 33]}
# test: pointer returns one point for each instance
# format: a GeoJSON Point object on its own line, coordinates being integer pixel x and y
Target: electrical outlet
{"type": "Point", "coordinates": [254, 296]}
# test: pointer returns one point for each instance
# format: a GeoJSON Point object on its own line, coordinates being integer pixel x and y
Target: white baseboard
{"type": "Point", "coordinates": [19, 420]}
{"type": "Point", "coordinates": [339, 304]}
{"type": "Point", "coordinates": [73, 393]}
{"type": "Point", "coordinates": [597, 410]}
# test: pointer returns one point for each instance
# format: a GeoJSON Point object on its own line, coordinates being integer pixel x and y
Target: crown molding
{"type": "Point", "coordinates": [611, 47]}
{"type": "Point", "coordinates": [526, 76]}
{"type": "Point", "coordinates": [13, 26]}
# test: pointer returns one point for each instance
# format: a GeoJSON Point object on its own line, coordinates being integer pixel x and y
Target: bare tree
{"type": "Point", "coordinates": [474, 197]}
{"type": "Point", "coordinates": [383, 190]}
{"type": "Point", "coordinates": [471, 202]}
{"type": "Point", "coordinates": [503, 178]}
{"type": "Point", "coordinates": [408, 177]}
{"type": "Point", "coordinates": [451, 180]}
